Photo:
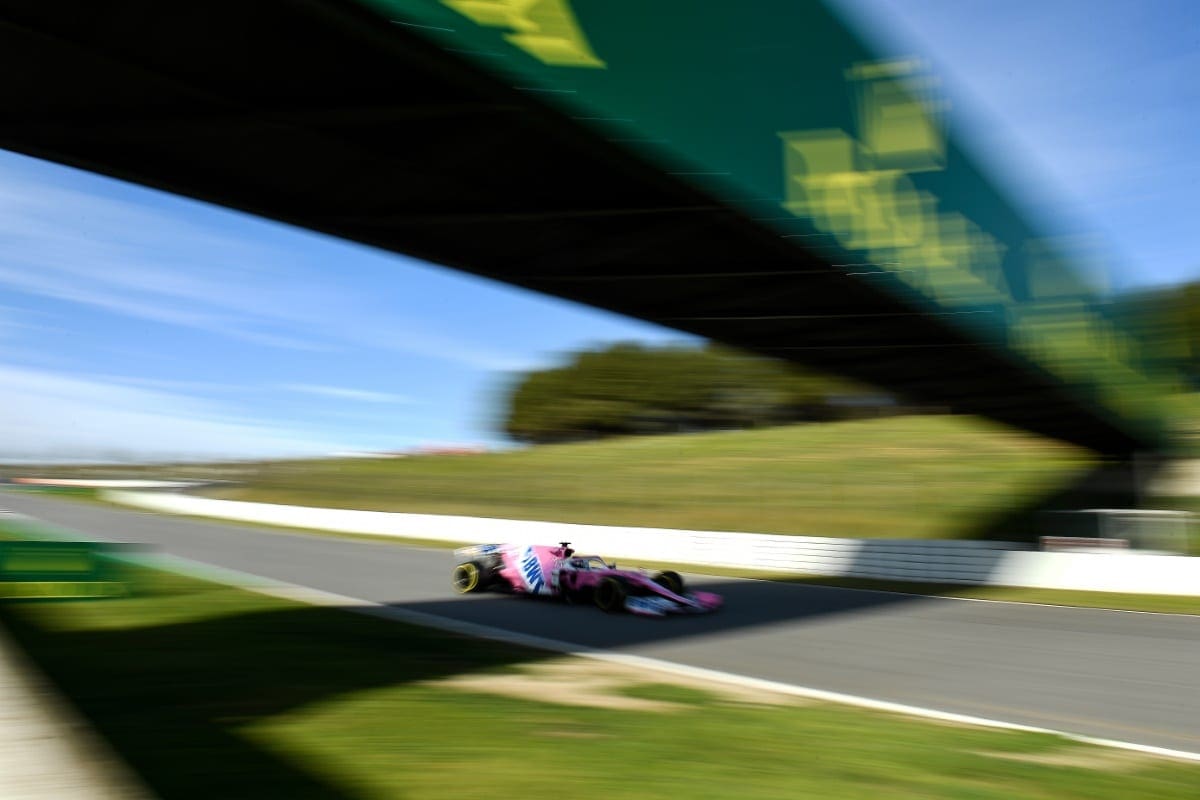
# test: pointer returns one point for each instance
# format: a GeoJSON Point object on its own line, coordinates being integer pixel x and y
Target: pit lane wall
{"type": "Point", "coordinates": [995, 563]}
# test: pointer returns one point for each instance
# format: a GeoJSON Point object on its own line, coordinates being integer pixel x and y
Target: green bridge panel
{"type": "Point", "coordinates": [781, 110]}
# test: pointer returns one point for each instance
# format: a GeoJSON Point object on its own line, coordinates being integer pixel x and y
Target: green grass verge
{"type": "Point", "coordinates": [904, 477]}
{"type": "Point", "coordinates": [210, 691]}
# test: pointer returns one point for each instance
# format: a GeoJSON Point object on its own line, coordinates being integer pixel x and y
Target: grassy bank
{"type": "Point", "coordinates": [210, 691]}
{"type": "Point", "coordinates": [907, 477]}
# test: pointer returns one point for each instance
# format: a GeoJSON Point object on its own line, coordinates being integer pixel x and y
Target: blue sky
{"type": "Point", "coordinates": [138, 325]}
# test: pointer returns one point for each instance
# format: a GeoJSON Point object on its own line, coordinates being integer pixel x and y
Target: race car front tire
{"type": "Point", "coordinates": [671, 581]}
{"type": "Point", "coordinates": [467, 578]}
{"type": "Point", "coordinates": [610, 595]}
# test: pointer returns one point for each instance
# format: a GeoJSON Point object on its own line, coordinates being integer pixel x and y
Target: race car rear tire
{"type": "Point", "coordinates": [568, 595]}
{"type": "Point", "coordinates": [671, 581]}
{"type": "Point", "coordinates": [467, 578]}
{"type": "Point", "coordinates": [610, 595]}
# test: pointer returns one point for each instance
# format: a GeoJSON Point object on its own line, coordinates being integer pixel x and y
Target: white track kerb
{"type": "Point", "coordinates": [304, 594]}
{"type": "Point", "coordinates": [992, 563]}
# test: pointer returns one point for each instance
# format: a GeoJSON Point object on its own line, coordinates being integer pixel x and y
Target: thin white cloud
{"type": "Point", "coordinates": [346, 393]}
{"type": "Point", "coordinates": [432, 344]}
{"type": "Point", "coordinates": [49, 415]}
{"type": "Point", "coordinates": [171, 385]}
{"type": "Point", "coordinates": [140, 262]}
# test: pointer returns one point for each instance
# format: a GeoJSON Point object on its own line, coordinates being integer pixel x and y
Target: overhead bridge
{"type": "Point", "coordinates": [752, 173]}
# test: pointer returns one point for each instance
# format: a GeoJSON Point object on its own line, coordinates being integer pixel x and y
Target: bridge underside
{"type": "Point", "coordinates": [322, 115]}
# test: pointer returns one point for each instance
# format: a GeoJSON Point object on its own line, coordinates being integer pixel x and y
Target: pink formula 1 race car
{"type": "Point", "coordinates": [558, 572]}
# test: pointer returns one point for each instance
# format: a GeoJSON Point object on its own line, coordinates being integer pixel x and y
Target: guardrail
{"type": "Point", "coordinates": [996, 563]}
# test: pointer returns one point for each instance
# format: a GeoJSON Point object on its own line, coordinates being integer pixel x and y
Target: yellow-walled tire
{"type": "Point", "coordinates": [466, 578]}
{"type": "Point", "coordinates": [671, 581]}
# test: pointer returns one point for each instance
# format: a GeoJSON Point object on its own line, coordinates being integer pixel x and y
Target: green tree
{"type": "Point", "coordinates": [628, 388]}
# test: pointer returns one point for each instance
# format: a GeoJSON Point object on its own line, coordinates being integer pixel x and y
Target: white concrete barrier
{"type": "Point", "coordinates": [997, 563]}
{"type": "Point", "coordinates": [96, 483]}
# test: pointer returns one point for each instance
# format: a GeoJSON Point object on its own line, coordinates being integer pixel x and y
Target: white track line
{"type": "Point", "coordinates": [319, 597]}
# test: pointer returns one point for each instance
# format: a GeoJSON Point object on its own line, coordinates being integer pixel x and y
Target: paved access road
{"type": "Point", "coordinates": [1114, 675]}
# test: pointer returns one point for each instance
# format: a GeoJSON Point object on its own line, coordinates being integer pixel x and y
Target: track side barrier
{"type": "Point", "coordinates": [993, 563]}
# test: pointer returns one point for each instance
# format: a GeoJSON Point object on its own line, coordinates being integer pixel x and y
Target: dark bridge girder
{"type": "Point", "coordinates": [322, 115]}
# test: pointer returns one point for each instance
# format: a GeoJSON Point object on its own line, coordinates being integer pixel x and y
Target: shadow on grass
{"type": "Point", "coordinates": [1110, 484]}
{"type": "Point", "coordinates": [174, 700]}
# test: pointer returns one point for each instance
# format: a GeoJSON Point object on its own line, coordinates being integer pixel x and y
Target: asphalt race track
{"type": "Point", "coordinates": [1114, 675]}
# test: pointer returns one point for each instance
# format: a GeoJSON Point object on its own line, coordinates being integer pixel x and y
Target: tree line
{"type": "Point", "coordinates": [630, 388]}
{"type": "Point", "coordinates": [1168, 321]}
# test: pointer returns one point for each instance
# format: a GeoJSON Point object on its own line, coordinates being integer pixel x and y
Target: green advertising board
{"type": "Point", "coordinates": [48, 569]}
{"type": "Point", "coordinates": [781, 110]}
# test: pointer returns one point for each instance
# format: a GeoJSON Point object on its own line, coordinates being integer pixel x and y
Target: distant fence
{"type": "Point", "coordinates": [1144, 529]}
{"type": "Point", "coordinates": [965, 562]}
